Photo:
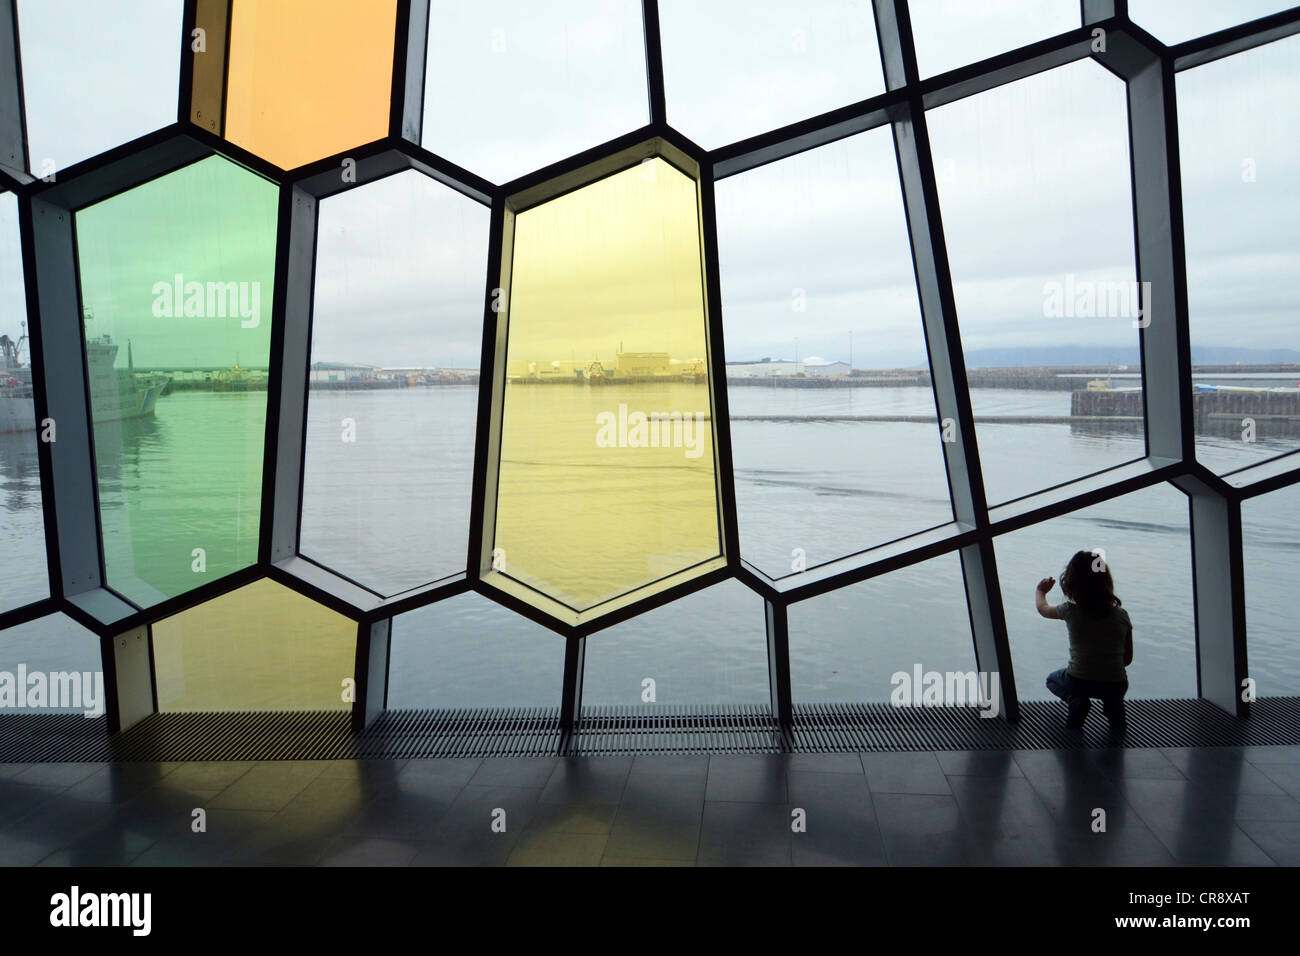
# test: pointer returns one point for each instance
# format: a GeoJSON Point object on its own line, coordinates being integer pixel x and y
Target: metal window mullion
{"type": "Point", "coordinates": [654, 62]}
{"type": "Point", "coordinates": [777, 621]}
{"type": "Point", "coordinates": [286, 404]}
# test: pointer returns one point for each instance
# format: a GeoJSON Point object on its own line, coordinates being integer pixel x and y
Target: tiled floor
{"type": "Point", "coordinates": [1084, 807]}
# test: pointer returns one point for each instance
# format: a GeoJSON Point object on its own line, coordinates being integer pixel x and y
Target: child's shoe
{"type": "Point", "coordinates": [1079, 707]}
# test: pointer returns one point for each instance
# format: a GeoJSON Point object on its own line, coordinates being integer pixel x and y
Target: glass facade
{"type": "Point", "coordinates": [396, 333]}
{"type": "Point", "coordinates": [95, 75]}
{"type": "Point", "coordinates": [572, 403]}
{"type": "Point", "coordinates": [1043, 273]}
{"type": "Point", "coordinates": [261, 647]}
{"type": "Point", "coordinates": [308, 78]}
{"type": "Point", "coordinates": [22, 532]}
{"type": "Point", "coordinates": [177, 279]}
{"type": "Point", "coordinates": [606, 445]}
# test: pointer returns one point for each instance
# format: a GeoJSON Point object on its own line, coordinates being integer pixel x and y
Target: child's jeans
{"type": "Point", "coordinates": [1110, 693]}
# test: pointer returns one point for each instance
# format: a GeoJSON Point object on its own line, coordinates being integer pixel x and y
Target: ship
{"type": "Point", "coordinates": [117, 394]}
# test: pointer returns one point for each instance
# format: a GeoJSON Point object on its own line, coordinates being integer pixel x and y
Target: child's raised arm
{"type": "Point", "coordinates": [1040, 599]}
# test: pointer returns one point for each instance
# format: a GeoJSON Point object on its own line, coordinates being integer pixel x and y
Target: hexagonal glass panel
{"type": "Point", "coordinates": [67, 656]}
{"type": "Point", "coordinates": [176, 283]}
{"type": "Point", "coordinates": [606, 488]}
{"type": "Point", "coordinates": [1039, 229]}
{"type": "Point", "coordinates": [467, 651]}
{"type": "Point", "coordinates": [1174, 21]}
{"type": "Point", "coordinates": [1270, 528]}
{"type": "Point", "coordinates": [834, 432]}
{"type": "Point", "coordinates": [397, 333]}
{"type": "Point", "coordinates": [707, 648]}
{"type": "Point", "coordinates": [1237, 130]}
{"type": "Point", "coordinates": [734, 69]}
{"type": "Point", "coordinates": [953, 33]}
{"type": "Point", "coordinates": [1145, 540]}
{"type": "Point", "coordinates": [262, 647]}
{"type": "Point", "coordinates": [851, 644]}
{"type": "Point", "coordinates": [511, 87]}
{"type": "Point", "coordinates": [22, 532]}
{"type": "Point", "coordinates": [95, 75]}
{"type": "Point", "coordinates": [309, 78]}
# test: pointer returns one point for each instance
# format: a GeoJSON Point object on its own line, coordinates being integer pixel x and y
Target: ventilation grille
{"type": "Point", "coordinates": [522, 732]}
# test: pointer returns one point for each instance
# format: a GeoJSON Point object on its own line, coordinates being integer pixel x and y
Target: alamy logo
{"type": "Point", "coordinates": [62, 690]}
{"type": "Point", "coordinates": [946, 689]}
{"type": "Point", "coordinates": [75, 908]}
{"type": "Point", "coordinates": [1087, 299]}
{"type": "Point", "coordinates": [208, 300]}
{"type": "Point", "coordinates": [653, 430]}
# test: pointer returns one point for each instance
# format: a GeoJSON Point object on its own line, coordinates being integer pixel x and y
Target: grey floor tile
{"type": "Point", "coordinates": [57, 774]}
{"type": "Point", "coordinates": [745, 834]}
{"type": "Point", "coordinates": [658, 818]}
{"type": "Point", "coordinates": [921, 829]}
{"type": "Point", "coordinates": [747, 778]}
{"type": "Point", "coordinates": [979, 763]}
{"type": "Point", "coordinates": [586, 818]}
{"type": "Point", "coordinates": [839, 821]}
{"type": "Point", "coordinates": [206, 774]}
{"type": "Point", "coordinates": [514, 772]}
{"type": "Point", "coordinates": [1285, 775]}
{"type": "Point", "coordinates": [825, 763]}
{"type": "Point", "coordinates": [370, 851]}
{"type": "Point", "coordinates": [590, 780]}
{"type": "Point", "coordinates": [1279, 839]}
{"type": "Point", "coordinates": [558, 849]}
{"type": "Point", "coordinates": [268, 786]}
{"type": "Point", "coordinates": [1223, 767]}
{"type": "Point", "coordinates": [692, 765]}
{"type": "Point", "coordinates": [119, 782]}
{"type": "Point", "coordinates": [447, 769]}
{"type": "Point", "coordinates": [905, 773]}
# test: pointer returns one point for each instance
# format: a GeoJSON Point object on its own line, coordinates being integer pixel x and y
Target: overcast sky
{"type": "Point", "coordinates": [1033, 177]}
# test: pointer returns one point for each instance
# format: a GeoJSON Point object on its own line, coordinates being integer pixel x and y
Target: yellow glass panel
{"type": "Point", "coordinates": [309, 78]}
{"type": "Point", "coordinates": [262, 647]}
{"type": "Point", "coordinates": [606, 481]}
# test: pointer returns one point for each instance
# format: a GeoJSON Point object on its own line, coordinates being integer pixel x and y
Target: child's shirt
{"type": "Point", "coordinates": [1096, 643]}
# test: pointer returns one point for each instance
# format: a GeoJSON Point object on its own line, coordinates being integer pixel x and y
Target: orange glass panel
{"type": "Point", "coordinates": [309, 78]}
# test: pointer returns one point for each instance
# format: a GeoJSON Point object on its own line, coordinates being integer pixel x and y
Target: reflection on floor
{"type": "Point", "coordinates": [1238, 805]}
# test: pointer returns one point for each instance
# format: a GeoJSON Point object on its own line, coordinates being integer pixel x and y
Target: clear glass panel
{"type": "Point", "coordinates": [392, 410]}
{"type": "Point", "coordinates": [96, 75]}
{"type": "Point", "coordinates": [1174, 21]}
{"type": "Point", "coordinates": [512, 87]}
{"type": "Point", "coordinates": [607, 479]}
{"type": "Point", "coordinates": [709, 647]}
{"type": "Point", "coordinates": [953, 33]}
{"type": "Point", "coordinates": [177, 282]}
{"type": "Point", "coordinates": [734, 69]}
{"type": "Point", "coordinates": [67, 657]}
{"type": "Point", "coordinates": [262, 647]}
{"type": "Point", "coordinates": [1237, 133]}
{"type": "Point", "coordinates": [1039, 226]}
{"type": "Point", "coordinates": [1270, 533]}
{"type": "Point", "coordinates": [309, 78]}
{"type": "Point", "coordinates": [22, 522]}
{"type": "Point", "coordinates": [467, 651]}
{"type": "Point", "coordinates": [1145, 540]}
{"type": "Point", "coordinates": [834, 433]}
{"type": "Point", "coordinates": [851, 645]}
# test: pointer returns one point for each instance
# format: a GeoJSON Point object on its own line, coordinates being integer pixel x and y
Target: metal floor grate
{"type": "Point", "coordinates": [523, 732]}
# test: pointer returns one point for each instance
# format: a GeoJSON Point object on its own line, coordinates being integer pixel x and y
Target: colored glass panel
{"type": "Point", "coordinates": [262, 647]}
{"type": "Point", "coordinates": [176, 284]}
{"type": "Point", "coordinates": [309, 78]}
{"type": "Point", "coordinates": [607, 480]}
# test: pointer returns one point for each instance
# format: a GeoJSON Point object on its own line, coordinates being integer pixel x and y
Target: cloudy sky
{"type": "Point", "coordinates": [1033, 177]}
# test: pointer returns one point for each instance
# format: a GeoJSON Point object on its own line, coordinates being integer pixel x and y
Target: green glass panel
{"type": "Point", "coordinates": [176, 285]}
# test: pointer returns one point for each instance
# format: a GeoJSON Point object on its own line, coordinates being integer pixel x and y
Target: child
{"type": "Point", "coordinates": [1101, 639]}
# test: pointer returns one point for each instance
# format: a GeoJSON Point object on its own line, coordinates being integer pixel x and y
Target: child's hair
{"type": "Point", "coordinates": [1087, 582]}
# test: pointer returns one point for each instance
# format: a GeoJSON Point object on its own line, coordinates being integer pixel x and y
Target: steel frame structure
{"type": "Point", "coordinates": [1148, 67]}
